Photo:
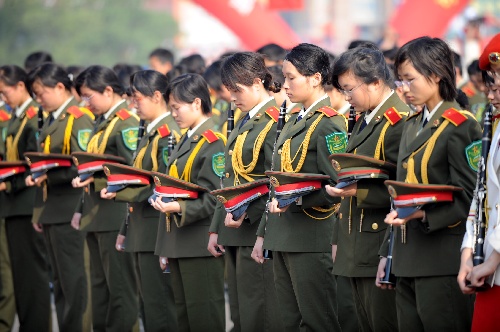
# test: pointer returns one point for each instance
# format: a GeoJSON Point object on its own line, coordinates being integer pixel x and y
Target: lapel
{"type": "Point", "coordinates": [358, 138]}
{"type": "Point", "coordinates": [104, 124]}
{"type": "Point", "coordinates": [293, 128]}
{"type": "Point", "coordinates": [415, 141]}
{"type": "Point", "coordinates": [50, 129]}
{"type": "Point", "coordinates": [15, 122]}
{"type": "Point", "coordinates": [191, 142]}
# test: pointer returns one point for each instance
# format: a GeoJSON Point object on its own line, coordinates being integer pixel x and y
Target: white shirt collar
{"type": "Point", "coordinates": [303, 112]}
{"type": "Point", "coordinates": [20, 109]}
{"type": "Point", "coordinates": [108, 113]}
{"type": "Point", "coordinates": [428, 115]}
{"type": "Point", "coordinates": [192, 131]}
{"type": "Point", "coordinates": [370, 116]}
{"type": "Point", "coordinates": [61, 108]}
{"type": "Point", "coordinates": [257, 107]}
{"type": "Point", "coordinates": [155, 121]}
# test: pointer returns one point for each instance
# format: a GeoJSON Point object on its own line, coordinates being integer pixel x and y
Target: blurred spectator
{"type": "Point", "coordinates": [35, 59]}
{"type": "Point", "coordinates": [161, 60]}
{"type": "Point", "coordinates": [273, 54]}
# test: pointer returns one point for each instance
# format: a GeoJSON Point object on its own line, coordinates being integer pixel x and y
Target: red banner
{"type": "Point", "coordinates": [285, 4]}
{"type": "Point", "coordinates": [416, 18]}
{"type": "Point", "coordinates": [256, 28]}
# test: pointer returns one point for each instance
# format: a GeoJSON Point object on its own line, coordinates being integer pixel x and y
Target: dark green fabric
{"type": "Point", "coordinates": [346, 309]}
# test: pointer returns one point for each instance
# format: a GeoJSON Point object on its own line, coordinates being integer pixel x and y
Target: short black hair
{"type": "Point", "coordinates": [457, 61]}
{"type": "Point", "coordinates": [123, 72]}
{"type": "Point", "coordinates": [362, 43]}
{"type": "Point", "coordinates": [186, 88]}
{"type": "Point", "coordinates": [10, 75]}
{"type": "Point", "coordinates": [35, 59]}
{"type": "Point", "coordinates": [49, 74]}
{"type": "Point", "coordinates": [430, 56]}
{"type": "Point", "coordinates": [213, 75]}
{"type": "Point", "coordinates": [97, 78]}
{"type": "Point", "coordinates": [310, 59]}
{"type": "Point", "coordinates": [193, 63]}
{"type": "Point", "coordinates": [367, 64]}
{"type": "Point", "coordinates": [273, 52]}
{"type": "Point", "coordinates": [163, 55]}
{"type": "Point", "coordinates": [473, 68]}
{"type": "Point", "coordinates": [149, 81]}
{"type": "Point", "coordinates": [243, 68]}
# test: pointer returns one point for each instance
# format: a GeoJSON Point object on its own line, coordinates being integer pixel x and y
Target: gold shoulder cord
{"type": "Point", "coordinates": [12, 142]}
{"type": "Point", "coordinates": [411, 177]}
{"type": "Point", "coordinates": [237, 158]}
{"type": "Point", "coordinates": [154, 154]}
{"type": "Point", "coordinates": [94, 146]}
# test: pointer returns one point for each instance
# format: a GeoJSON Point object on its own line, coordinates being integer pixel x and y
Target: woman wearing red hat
{"type": "Point", "coordinates": [438, 146]}
{"type": "Point", "coordinates": [487, 301]}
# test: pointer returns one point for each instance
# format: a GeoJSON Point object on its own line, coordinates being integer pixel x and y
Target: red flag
{"type": "Point", "coordinates": [285, 4]}
{"type": "Point", "coordinates": [255, 29]}
{"type": "Point", "coordinates": [416, 18]}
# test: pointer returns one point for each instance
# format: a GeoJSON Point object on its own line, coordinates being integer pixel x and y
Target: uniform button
{"type": "Point", "coordinates": [405, 165]}
{"type": "Point", "coordinates": [130, 209]}
{"type": "Point", "coordinates": [279, 151]}
{"type": "Point", "coordinates": [374, 226]}
{"type": "Point", "coordinates": [230, 152]}
{"type": "Point", "coordinates": [227, 175]}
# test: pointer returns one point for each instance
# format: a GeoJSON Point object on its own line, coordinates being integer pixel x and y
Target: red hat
{"type": "Point", "coordinates": [170, 188]}
{"type": "Point", "coordinates": [9, 168]}
{"type": "Point", "coordinates": [491, 53]}
{"type": "Point", "coordinates": [40, 162]}
{"type": "Point", "coordinates": [121, 176]}
{"type": "Point", "coordinates": [89, 163]}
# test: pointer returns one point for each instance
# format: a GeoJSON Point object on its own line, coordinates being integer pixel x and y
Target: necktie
{"type": "Point", "coordinates": [245, 119]}
{"type": "Point", "coordinates": [51, 118]}
{"type": "Point", "coordinates": [362, 126]}
{"type": "Point", "coordinates": [425, 122]}
{"type": "Point", "coordinates": [184, 140]}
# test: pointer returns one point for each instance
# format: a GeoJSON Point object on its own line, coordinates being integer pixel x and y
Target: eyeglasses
{"type": "Point", "coordinates": [348, 93]}
{"type": "Point", "coordinates": [402, 84]}
{"type": "Point", "coordinates": [494, 57]}
{"type": "Point", "coordinates": [86, 99]}
{"type": "Point", "coordinates": [137, 98]}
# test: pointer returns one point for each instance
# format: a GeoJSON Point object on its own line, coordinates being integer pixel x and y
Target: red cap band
{"type": "Point", "coordinates": [298, 185]}
{"type": "Point", "coordinates": [360, 172]}
{"type": "Point", "coordinates": [11, 170]}
{"type": "Point", "coordinates": [176, 191]}
{"type": "Point", "coordinates": [52, 163]}
{"type": "Point", "coordinates": [406, 200]}
{"type": "Point", "coordinates": [127, 178]}
{"type": "Point", "coordinates": [241, 198]}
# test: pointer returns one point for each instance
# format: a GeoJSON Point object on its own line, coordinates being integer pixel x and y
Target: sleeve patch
{"type": "Point", "coordinates": [473, 154]}
{"type": "Point", "coordinates": [210, 136]}
{"type": "Point", "coordinates": [336, 142]}
{"type": "Point", "coordinates": [84, 138]}
{"type": "Point", "coordinates": [4, 134]}
{"type": "Point", "coordinates": [218, 163]}
{"type": "Point", "coordinates": [164, 155]}
{"type": "Point", "coordinates": [454, 116]}
{"type": "Point", "coordinates": [129, 137]}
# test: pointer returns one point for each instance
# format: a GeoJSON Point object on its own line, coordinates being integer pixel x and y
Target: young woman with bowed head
{"type": "Point", "coordinates": [114, 286]}
{"type": "Point", "coordinates": [436, 148]}
{"type": "Point", "coordinates": [300, 234]}
{"type": "Point", "coordinates": [248, 155]}
{"type": "Point", "coordinates": [55, 198]}
{"type": "Point", "coordinates": [197, 276]}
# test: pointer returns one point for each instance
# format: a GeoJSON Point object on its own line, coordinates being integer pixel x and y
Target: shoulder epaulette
{"type": "Point", "coordinates": [75, 111]}
{"type": "Point", "coordinates": [123, 114]}
{"type": "Point", "coordinates": [31, 112]}
{"type": "Point", "coordinates": [328, 111]}
{"type": "Point", "coordinates": [454, 116]}
{"type": "Point", "coordinates": [164, 131]}
{"type": "Point", "coordinates": [295, 110]}
{"type": "Point", "coordinates": [4, 116]}
{"type": "Point", "coordinates": [413, 115]}
{"type": "Point", "coordinates": [393, 116]}
{"type": "Point", "coordinates": [210, 136]}
{"type": "Point", "coordinates": [88, 112]}
{"type": "Point", "coordinates": [469, 92]}
{"type": "Point", "coordinates": [274, 113]}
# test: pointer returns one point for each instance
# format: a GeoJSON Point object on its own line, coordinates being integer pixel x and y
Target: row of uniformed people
{"type": "Point", "coordinates": [302, 252]}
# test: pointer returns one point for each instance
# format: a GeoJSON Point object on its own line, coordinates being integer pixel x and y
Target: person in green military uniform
{"type": "Point", "coordinates": [114, 285]}
{"type": "Point", "coordinates": [248, 154]}
{"type": "Point", "coordinates": [140, 232]}
{"type": "Point", "coordinates": [364, 78]}
{"type": "Point", "coordinates": [300, 234]}
{"type": "Point", "coordinates": [55, 197]}
{"type": "Point", "coordinates": [197, 276]}
{"type": "Point", "coordinates": [438, 146]}
{"type": "Point", "coordinates": [26, 249]}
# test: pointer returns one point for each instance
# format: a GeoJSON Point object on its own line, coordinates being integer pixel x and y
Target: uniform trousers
{"type": "Point", "coordinates": [28, 259]}
{"type": "Point", "coordinates": [375, 307]}
{"type": "Point", "coordinates": [7, 300]}
{"type": "Point", "coordinates": [252, 296]}
{"type": "Point", "coordinates": [115, 305]}
{"type": "Point", "coordinates": [156, 293]}
{"type": "Point", "coordinates": [346, 309]}
{"type": "Point", "coordinates": [306, 290]}
{"type": "Point", "coordinates": [432, 304]}
{"type": "Point", "coordinates": [198, 285]}
{"type": "Point", "coordinates": [65, 249]}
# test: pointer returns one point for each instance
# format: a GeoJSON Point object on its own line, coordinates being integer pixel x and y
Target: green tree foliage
{"type": "Point", "coordinates": [83, 32]}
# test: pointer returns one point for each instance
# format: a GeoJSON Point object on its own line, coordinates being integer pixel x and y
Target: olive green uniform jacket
{"type": "Point", "coordinates": [245, 234]}
{"type": "Point", "coordinates": [189, 230]}
{"type": "Point", "coordinates": [357, 251]}
{"type": "Point", "coordinates": [142, 227]}
{"type": "Point", "coordinates": [101, 215]}
{"type": "Point", "coordinates": [433, 248]}
{"type": "Point", "coordinates": [294, 230]}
